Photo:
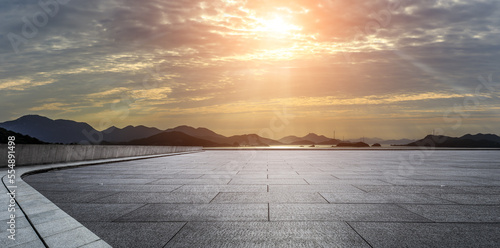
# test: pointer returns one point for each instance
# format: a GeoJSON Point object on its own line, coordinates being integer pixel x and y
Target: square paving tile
{"type": "Point", "coordinates": [457, 213]}
{"type": "Point", "coordinates": [428, 234]}
{"type": "Point", "coordinates": [473, 199]}
{"type": "Point", "coordinates": [97, 211]}
{"type": "Point", "coordinates": [381, 198]}
{"type": "Point", "coordinates": [342, 212]}
{"type": "Point", "coordinates": [338, 188]}
{"type": "Point", "coordinates": [198, 212]}
{"type": "Point", "coordinates": [269, 198]}
{"type": "Point", "coordinates": [221, 188]}
{"type": "Point", "coordinates": [143, 197]}
{"type": "Point", "coordinates": [267, 234]}
{"type": "Point", "coordinates": [201, 181]}
{"type": "Point", "coordinates": [135, 234]}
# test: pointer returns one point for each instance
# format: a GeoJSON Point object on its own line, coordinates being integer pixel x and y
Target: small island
{"type": "Point", "coordinates": [349, 144]}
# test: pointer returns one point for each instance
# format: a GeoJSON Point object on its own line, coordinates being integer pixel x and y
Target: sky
{"type": "Point", "coordinates": [379, 68]}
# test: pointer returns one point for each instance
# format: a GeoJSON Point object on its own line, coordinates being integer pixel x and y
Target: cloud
{"type": "Point", "coordinates": [195, 56]}
{"type": "Point", "coordinates": [21, 84]}
{"type": "Point", "coordinates": [49, 106]}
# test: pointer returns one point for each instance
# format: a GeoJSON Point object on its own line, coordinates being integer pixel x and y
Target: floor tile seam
{"type": "Point", "coordinates": [178, 231]}
{"type": "Point", "coordinates": [453, 204]}
{"type": "Point", "coordinates": [210, 202]}
{"type": "Point", "coordinates": [360, 188]}
{"type": "Point", "coordinates": [319, 193]}
{"type": "Point", "coordinates": [443, 199]}
{"type": "Point", "coordinates": [288, 203]}
{"type": "Point", "coordinates": [96, 241]}
{"type": "Point", "coordinates": [431, 222]}
{"type": "Point", "coordinates": [102, 197]}
{"type": "Point", "coordinates": [417, 214]}
{"type": "Point", "coordinates": [357, 233]}
{"type": "Point", "coordinates": [295, 221]}
{"type": "Point", "coordinates": [127, 212]}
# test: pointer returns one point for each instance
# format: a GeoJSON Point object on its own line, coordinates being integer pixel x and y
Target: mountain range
{"type": "Point", "coordinates": [467, 141]}
{"type": "Point", "coordinates": [19, 138]}
{"type": "Point", "coordinates": [48, 130]}
{"type": "Point", "coordinates": [309, 139]}
{"type": "Point", "coordinates": [114, 134]}
{"type": "Point", "coordinates": [36, 128]}
{"type": "Point", "coordinates": [72, 132]}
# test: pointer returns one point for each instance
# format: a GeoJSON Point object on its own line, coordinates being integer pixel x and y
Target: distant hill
{"type": "Point", "coordinates": [48, 130]}
{"type": "Point", "coordinates": [395, 141]}
{"type": "Point", "coordinates": [322, 140]}
{"type": "Point", "coordinates": [173, 138]}
{"type": "Point", "coordinates": [330, 142]}
{"type": "Point", "coordinates": [236, 140]}
{"type": "Point", "coordinates": [382, 141]}
{"type": "Point", "coordinates": [20, 138]}
{"type": "Point", "coordinates": [128, 133]}
{"type": "Point", "coordinates": [289, 139]}
{"type": "Point", "coordinates": [354, 144]}
{"type": "Point", "coordinates": [251, 140]}
{"type": "Point", "coordinates": [302, 142]}
{"type": "Point", "coordinates": [35, 128]}
{"type": "Point", "coordinates": [466, 141]}
{"type": "Point", "coordinates": [311, 137]}
{"type": "Point", "coordinates": [201, 132]}
{"type": "Point", "coordinates": [315, 138]}
{"type": "Point", "coordinates": [480, 136]}
{"type": "Point", "coordinates": [67, 131]}
{"type": "Point", "coordinates": [177, 138]}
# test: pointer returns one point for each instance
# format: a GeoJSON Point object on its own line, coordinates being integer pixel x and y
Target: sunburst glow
{"type": "Point", "coordinates": [277, 25]}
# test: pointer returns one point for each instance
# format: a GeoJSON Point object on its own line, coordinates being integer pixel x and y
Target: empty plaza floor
{"type": "Point", "coordinates": [286, 198]}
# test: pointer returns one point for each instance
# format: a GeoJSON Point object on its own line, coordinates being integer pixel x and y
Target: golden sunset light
{"type": "Point", "coordinates": [385, 68]}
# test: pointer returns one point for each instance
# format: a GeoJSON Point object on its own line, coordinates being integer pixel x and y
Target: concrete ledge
{"type": "Point", "coordinates": [49, 154]}
{"type": "Point", "coordinates": [39, 222]}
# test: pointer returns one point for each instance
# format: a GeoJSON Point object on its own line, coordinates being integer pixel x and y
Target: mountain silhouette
{"type": "Point", "coordinates": [466, 141]}
{"type": "Point", "coordinates": [315, 138]}
{"type": "Point", "coordinates": [67, 131]}
{"type": "Point", "coordinates": [302, 142]}
{"type": "Point", "coordinates": [201, 132]}
{"type": "Point", "coordinates": [51, 131]}
{"type": "Point", "coordinates": [289, 139]}
{"type": "Point", "coordinates": [19, 138]}
{"type": "Point", "coordinates": [251, 140]}
{"type": "Point", "coordinates": [330, 142]}
{"type": "Point", "coordinates": [310, 138]}
{"type": "Point", "coordinates": [128, 133]}
{"type": "Point", "coordinates": [36, 128]}
{"type": "Point", "coordinates": [382, 141]}
{"type": "Point", "coordinates": [353, 144]}
{"type": "Point", "coordinates": [480, 136]}
{"type": "Point", "coordinates": [173, 138]}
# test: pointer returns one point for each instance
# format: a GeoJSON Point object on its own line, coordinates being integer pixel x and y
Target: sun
{"type": "Point", "coordinates": [277, 25]}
